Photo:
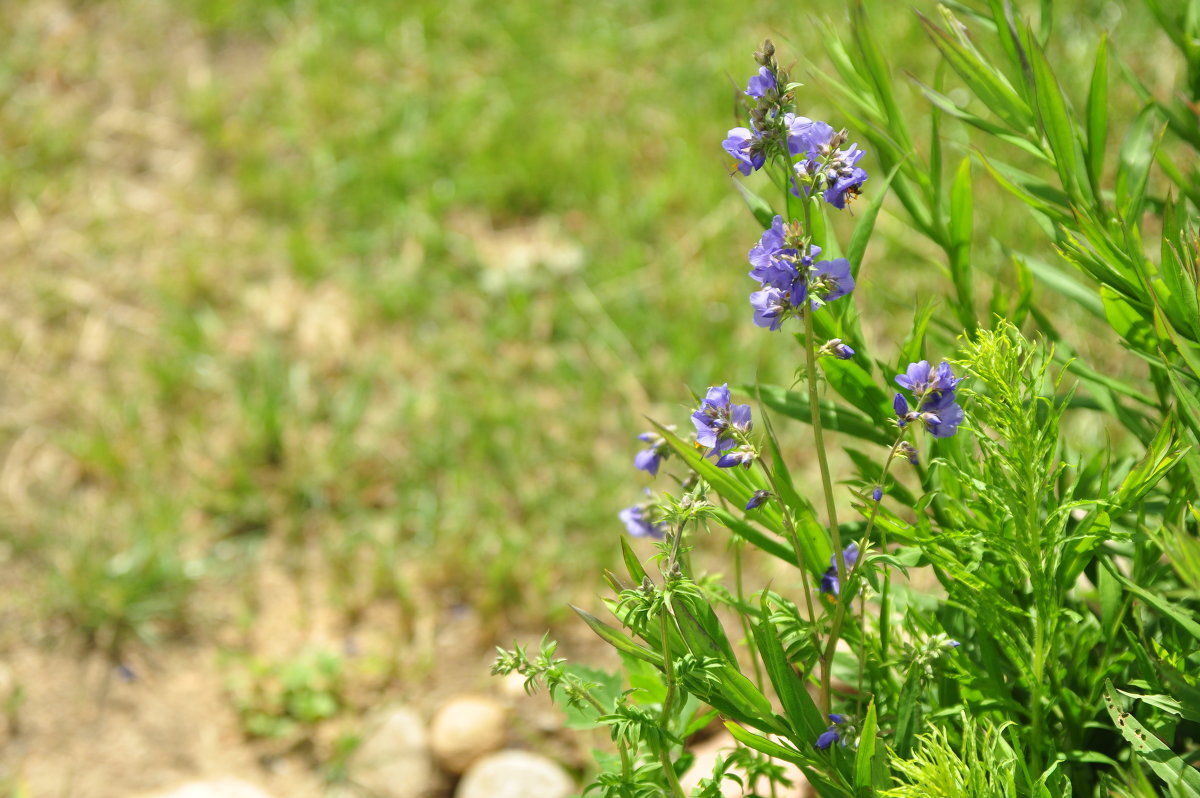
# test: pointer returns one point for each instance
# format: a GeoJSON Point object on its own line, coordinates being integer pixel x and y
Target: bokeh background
{"type": "Point", "coordinates": [326, 330]}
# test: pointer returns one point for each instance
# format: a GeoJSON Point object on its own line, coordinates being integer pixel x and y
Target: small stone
{"type": "Point", "coordinates": [723, 744]}
{"type": "Point", "coordinates": [393, 760]}
{"type": "Point", "coordinates": [465, 729]}
{"type": "Point", "coordinates": [515, 774]}
{"type": "Point", "coordinates": [220, 788]}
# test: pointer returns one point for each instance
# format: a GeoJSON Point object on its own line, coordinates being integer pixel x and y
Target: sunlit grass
{"type": "Point", "coordinates": [391, 286]}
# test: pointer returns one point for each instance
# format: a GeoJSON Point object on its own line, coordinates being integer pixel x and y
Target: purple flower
{"type": "Point", "coordinates": [921, 379]}
{"type": "Point", "coordinates": [757, 499]}
{"type": "Point", "coordinates": [829, 580]}
{"type": "Point", "coordinates": [830, 735]}
{"type": "Point", "coordinates": [877, 493]}
{"type": "Point", "coordinates": [773, 306]}
{"type": "Point", "coordinates": [746, 147]}
{"type": "Point", "coordinates": [835, 171]}
{"type": "Point", "coordinates": [908, 450]}
{"type": "Point", "coordinates": [774, 263]}
{"type": "Point", "coordinates": [761, 83]}
{"type": "Point", "coordinates": [718, 422]}
{"type": "Point", "coordinates": [743, 455]}
{"type": "Point", "coordinates": [649, 459]}
{"type": "Point", "coordinates": [829, 280]}
{"type": "Point", "coordinates": [799, 133]}
{"type": "Point", "coordinates": [837, 348]}
{"type": "Point", "coordinates": [953, 643]}
{"type": "Point", "coordinates": [844, 177]}
{"type": "Point", "coordinates": [638, 525]}
{"type": "Point", "coordinates": [933, 390]}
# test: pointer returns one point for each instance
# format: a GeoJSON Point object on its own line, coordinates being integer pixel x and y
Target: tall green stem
{"type": "Point", "coordinates": [810, 354]}
{"type": "Point", "coordinates": [737, 543]}
{"type": "Point", "coordinates": [839, 615]}
{"type": "Point", "coordinates": [790, 526]}
{"type": "Point", "coordinates": [668, 705]}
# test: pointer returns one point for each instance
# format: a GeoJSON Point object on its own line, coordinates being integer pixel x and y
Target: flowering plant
{"type": "Point", "coordinates": [1054, 604]}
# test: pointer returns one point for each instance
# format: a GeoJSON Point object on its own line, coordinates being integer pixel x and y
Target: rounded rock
{"type": "Point", "coordinates": [219, 788]}
{"type": "Point", "coordinates": [393, 760]}
{"type": "Point", "coordinates": [515, 774]}
{"type": "Point", "coordinates": [465, 729]}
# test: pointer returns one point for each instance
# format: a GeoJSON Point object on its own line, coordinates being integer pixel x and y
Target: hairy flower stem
{"type": "Point", "coordinates": [810, 354]}
{"type": "Point", "coordinates": [794, 538]}
{"type": "Point", "coordinates": [839, 615]}
{"type": "Point", "coordinates": [737, 544]}
{"type": "Point", "coordinates": [668, 704]}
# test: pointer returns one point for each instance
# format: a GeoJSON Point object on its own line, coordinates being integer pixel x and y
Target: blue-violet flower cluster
{"type": "Point", "coordinates": [933, 392]}
{"type": "Point", "coordinates": [638, 524]}
{"type": "Point", "coordinates": [650, 459]}
{"type": "Point", "coordinates": [788, 278]}
{"type": "Point", "coordinates": [826, 168]}
{"type": "Point", "coordinates": [830, 735]}
{"type": "Point", "coordinates": [829, 580]}
{"type": "Point", "coordinates": [720, 425]}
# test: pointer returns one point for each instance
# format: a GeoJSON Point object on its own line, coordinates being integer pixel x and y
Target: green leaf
{"type": "Point", "coordinates": [866, 222]}
{"type": "Point", "coordinates": [1161, 759]}
{"type": "Point", "coordinates": [1131, 325]}
{"type": "Point", "coordinates": [636, 572]}
{"type": "Point", "coordinates": [752, 706]}
{"type": "Point", "coordinates": [755, 536]}
{"type": "Point", "coordinates": [1172, 611]}
{"type": "Point", "coordinates": [618, 640]}
{"type": "Point", "coordinates": [1056, 121]}
{"type": "Point", "coordinates": [798, 707]}
{"type": "Point", "coordinates": [984, 81]}
{"type": "Point", "coordinates": [758, 206]}
{"type": "Point", "coordinates": [870, 59]}
{"type": "Point", "coordinates": [869, 771]}
{"type": "Point", "coordinates": [607, 690]}
{"type": "Point", "coordinates": [1134, 161]}
{"type": "Point", "coordinates": [768, 747]}
{"type": "Point", "coordinates": [1160, 458]}
{"type": "Point", "coordinates": [833, 416]}
{"type": "Point", "coordinates": [701, 629]}
{"type": "Point", "coordinates": [733, 489]}
{"type": "Point", "coordinates": [1097, 117]}
{"type": "Point", "coordinates": [961, 216]}
{"type": "Point", "coordinates": [908, 713]}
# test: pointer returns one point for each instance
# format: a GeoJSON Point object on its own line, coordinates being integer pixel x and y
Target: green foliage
{"type": "Point", "coordinates": [287, 700]}
{"type": "Point", "coordinates": [1047, 552]}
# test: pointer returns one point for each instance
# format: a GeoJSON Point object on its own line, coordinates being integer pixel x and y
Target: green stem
{"type": "Point", "coordinates": [622, 748]}
{"type": "Point", "coordinates": [741, 597]}
{"type": "Point", "coordinates": [790, 526]}
{"type": "Point", "coordinates": [826, 484]}
{"type": "Point", "coordinates": [667, 707]}
{"type": "Point", "coordinates": [839, 615]}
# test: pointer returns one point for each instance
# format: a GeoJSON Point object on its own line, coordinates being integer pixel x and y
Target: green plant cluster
{"type": "Point", "coordinates": [1059, 653]}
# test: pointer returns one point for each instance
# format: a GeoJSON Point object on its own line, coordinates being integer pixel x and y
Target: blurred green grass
{"type": "Point", "coordinates": [391, 283]}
